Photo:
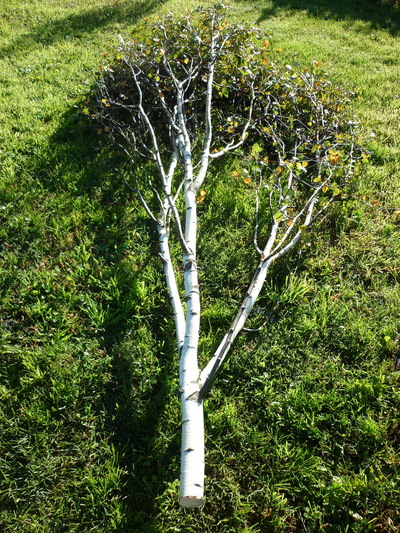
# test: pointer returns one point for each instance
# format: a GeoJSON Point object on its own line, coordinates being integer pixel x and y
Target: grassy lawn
{"type": "Point", "coordinates": [302, 424]}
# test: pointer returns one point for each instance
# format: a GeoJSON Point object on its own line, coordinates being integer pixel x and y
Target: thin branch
{"type": "Point", "coordinates": [232, 145]}
{"type": "Point", "coordinates": [157, 159]}
{"type": "Point", "coordinates": [256, 225]}
{"type": "Point", "coordinates": [135, 190]}
{"type": "Point", "coordinates": [305, 209]}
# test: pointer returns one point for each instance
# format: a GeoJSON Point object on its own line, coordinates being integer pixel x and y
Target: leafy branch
{"type": "Point", "coordinates": [191, 91]}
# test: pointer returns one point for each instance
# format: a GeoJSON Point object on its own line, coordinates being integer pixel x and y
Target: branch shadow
{"type": "Point", "coordinates": [380, 14]}
{"type": "Point", "coordinates": [75, 26]}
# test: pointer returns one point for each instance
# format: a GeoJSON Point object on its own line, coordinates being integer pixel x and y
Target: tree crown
{"type": "Point", "coordinates": [288, 131]}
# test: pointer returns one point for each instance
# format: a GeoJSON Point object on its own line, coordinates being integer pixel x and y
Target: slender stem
{"type": "Point", "coordinates": [170, 279]}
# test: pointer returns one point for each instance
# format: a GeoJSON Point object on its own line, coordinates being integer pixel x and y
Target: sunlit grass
{"type": "Point", "coordinates": [302, 424]}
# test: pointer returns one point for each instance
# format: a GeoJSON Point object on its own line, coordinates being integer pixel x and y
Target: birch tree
{"type": "Point", "coordinates": [186, 93]}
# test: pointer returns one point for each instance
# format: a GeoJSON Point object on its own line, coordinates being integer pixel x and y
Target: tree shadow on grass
{"type": "Point", "coordinates": [75, 26]}
{"type": "Point", "coordinates": [138, 338]}
{"type": "Point", "coordinates": [139, 406]}
{"type": "Point", "coordinates": [379, 14]}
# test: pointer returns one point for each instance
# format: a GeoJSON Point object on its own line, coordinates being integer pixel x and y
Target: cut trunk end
{"type": "Point", "coordinates": [192, 458]}
{"type": "Point", "coordinates": [191, 502]}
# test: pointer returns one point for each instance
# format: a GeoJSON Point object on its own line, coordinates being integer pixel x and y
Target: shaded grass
{"type": "Point", "coordinates": [375, 15]}
{"type": "Point", "coordinates": [302, 425]}
{"type": "Point", "coordinates": [52, 26]}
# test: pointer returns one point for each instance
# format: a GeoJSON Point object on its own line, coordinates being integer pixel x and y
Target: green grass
{"type": "Point", "coordinates": [302, 423]}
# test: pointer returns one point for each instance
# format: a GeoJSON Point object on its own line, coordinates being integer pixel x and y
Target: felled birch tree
{"type": "Point", "coordinates": [191, 91]}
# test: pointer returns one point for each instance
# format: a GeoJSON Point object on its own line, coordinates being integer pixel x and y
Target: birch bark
{"type": "Point", "coordinates": [192, 448]}
{"type": "Point", "coordinates": [172, 287]}
{"type": "Point", "coordinates": [192, 452]}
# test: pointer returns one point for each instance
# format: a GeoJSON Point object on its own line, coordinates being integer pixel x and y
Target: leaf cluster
{"type": "Point", "coordinates": [295, 128]}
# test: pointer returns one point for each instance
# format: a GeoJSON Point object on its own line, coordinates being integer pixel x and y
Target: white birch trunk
{"type": "Point", "coordinates": [192, 454]}
{"type": "Point", "coordinates": [192, 451]}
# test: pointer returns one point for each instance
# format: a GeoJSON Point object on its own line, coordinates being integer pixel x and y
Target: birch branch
{"type": "Point", "coordinates": [252, 293]}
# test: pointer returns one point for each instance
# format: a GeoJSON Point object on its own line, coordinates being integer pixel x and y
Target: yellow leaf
{"type": "Point", "coordinates": [202, 195]}
{"type": "Point", "coordinates": [333, 157]}
{"type": "Point", "coordinates": [186, 60]}
{"type": "Point", "coordinates": [247, 181]}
